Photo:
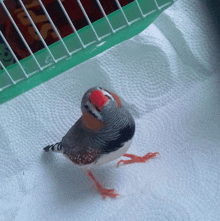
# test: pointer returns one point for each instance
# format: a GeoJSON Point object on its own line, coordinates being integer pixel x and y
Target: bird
{"type": "Point", "coordinates": [102, 134]}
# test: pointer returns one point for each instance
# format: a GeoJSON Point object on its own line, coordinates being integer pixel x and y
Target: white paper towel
{"type": "Point", "coordinates": [168, 76]}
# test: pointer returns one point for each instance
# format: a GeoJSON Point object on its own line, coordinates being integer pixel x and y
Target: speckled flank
{"type": "Point", "coordinates": [84, 156]}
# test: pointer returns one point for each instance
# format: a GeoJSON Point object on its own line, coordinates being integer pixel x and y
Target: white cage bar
{"type": "Point", "coordinates": [13, 54]}
{"type": "Point", "coordinates": [22, 37]}
{"type": "Point", "coordinates": [105, 16]}
{"type": "Point", "coordinates": [120, 8]}
{"type": "Point", "coordinates": [70, 22]}
{"type": "Point", "coordinates": [38, 33]}
{"type": "Point", "coordinates": [158, 8]}
{"type": "Point", "coordinates": [54, 27]}
{"type": "Point", "coordinates": [78, 37]}
{"type": "Point", "coordinates": [88, 20]}
{"type": "Point", "coordinates": [139, 8]}
{"type": "Point", "coordinates": [9, 76]}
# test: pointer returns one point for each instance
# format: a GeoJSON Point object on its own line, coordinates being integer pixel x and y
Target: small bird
{"type": "Point", "coordinates": [102, 134]}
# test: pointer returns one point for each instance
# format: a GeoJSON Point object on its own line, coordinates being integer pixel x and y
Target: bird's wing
{"type": "Point", "coordinates": [77, 145]}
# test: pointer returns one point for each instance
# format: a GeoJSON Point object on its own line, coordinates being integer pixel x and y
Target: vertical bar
{"type": "Point", "coordinates": [12, 52]}
{"type": "Point", "coordinates": [88, 20]}
{"type": "Point", "coordinates": [158, 8]}
{"type": "Point", "coordinates": [70, 22]}
{"type": "Point", "coordinates": [9, 76]}
{"type": "Point", "coordinates": [23, 39]}
{"type": "Point", "coordinates": [104, 14]}
{"type": "Point", "coordinates": [54, 27]}
{"type": "Point", "coordinates": [120, 8]}
{"type": "Point", "coordinates": [139, 7]}
{"type": "Point", "coordinates": [38, 33]}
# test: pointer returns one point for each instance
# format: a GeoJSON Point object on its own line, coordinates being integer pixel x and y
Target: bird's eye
{"type": "Point", "coordinates": [86, 106]}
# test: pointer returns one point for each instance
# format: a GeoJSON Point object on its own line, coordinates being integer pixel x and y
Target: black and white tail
{"type": "Point", "coordinates": [54, 147]}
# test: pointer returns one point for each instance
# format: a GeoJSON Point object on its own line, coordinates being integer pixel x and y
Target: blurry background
{"type": "Point", "coordinates": [168, 76]}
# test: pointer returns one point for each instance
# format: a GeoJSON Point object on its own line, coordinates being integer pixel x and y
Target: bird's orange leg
{"type": "Point", "coordinates": [136, 159]}
{"type": "Point", "coordinates": [104, 192]}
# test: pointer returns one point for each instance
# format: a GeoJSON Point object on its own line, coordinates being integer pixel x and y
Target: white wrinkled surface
{"type": "Point", "coordinates": [169, 77]}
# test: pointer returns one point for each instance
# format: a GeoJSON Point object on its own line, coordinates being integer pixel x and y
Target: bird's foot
{"type": "Point", "coordinates": [104, 192]}
{"type": "Point", "coordinates": [107, 192]}
{"type": "Point", "coordinates": [137, 159]}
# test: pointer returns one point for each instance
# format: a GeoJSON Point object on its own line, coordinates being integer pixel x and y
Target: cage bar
{"type": "Point", "coordinates": [116, 26]}
{"type": "Point", "coordinates": [139, 7]}
{"type": "Point", "coordinates": [88, 20]}
{"type": "Point", "coordinates": [38, 33]}
{"type": "Point", "coordinates": [105, 16]}
{"type": "Point", "coordinates": [158, 8]}
{"type": "Point", "coordinates": [15, 57]}
{"type": "Point", "coordinates": [9, 76]}
{"type": "Point", "coordinates": [22, 37]}
{"type": "Point", "coordinates": [54, 27]}
{"type": "Point", "coordinates": [120, 8]}
{"type": "Point", "coordinates": [70, 22]}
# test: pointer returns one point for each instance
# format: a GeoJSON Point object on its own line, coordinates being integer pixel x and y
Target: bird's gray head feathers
{"type": "Point", "coordinates": [95, 99]}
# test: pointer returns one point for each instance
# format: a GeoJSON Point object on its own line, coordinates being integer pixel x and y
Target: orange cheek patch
{"type": "Point", "coordinates": [91, 122]}
{"type": "Point", "coordinates": [116, 99]}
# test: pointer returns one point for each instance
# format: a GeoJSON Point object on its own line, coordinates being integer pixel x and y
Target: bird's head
{"type": "Point", "coordinates": [95, 99]}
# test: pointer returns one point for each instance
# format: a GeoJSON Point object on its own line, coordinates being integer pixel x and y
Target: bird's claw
{"type": "Point", "coordinates": [107, 192]}
{"type": "Point", "coordinates": [123, 162]}
{"type": "Point", "coordinates": [137, 159]}
{"type": "Point", "coordinates": [104, 192]}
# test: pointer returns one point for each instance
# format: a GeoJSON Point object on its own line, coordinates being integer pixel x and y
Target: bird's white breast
{"type": "Point", "coordinates": [113, 155]}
